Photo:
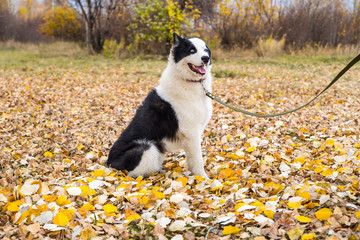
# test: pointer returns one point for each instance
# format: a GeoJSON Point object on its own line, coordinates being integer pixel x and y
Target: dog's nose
{"type": "Point", "coordinates": [205, 59]}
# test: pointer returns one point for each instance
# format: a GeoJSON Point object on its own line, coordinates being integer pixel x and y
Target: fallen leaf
{"type": "Point", "coordinates": [230, 230]}
{"type": "Point", "coordinates": [303, 219]}
{"type": "Point", "coordinates": [323, 214]}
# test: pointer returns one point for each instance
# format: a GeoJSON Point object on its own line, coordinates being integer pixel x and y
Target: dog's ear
{"type": "Point", "coordinates": [177, 39]}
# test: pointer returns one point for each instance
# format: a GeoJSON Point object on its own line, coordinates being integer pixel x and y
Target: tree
{"type": "Point", "coordinates": [62, 23]}
{"type": "Point", "coordinates": [308, 22]}
{"type": "Point", "coordinates": [5, 19]}
{"type": "Point", "coordinates": [242, 22]}
{"type": "Point", "coordinates": [97, 15]}
{"type": "Point", "coordinates": [156, 20]}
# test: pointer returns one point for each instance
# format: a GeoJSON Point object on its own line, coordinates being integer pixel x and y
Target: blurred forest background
{"type": "Point", "coordinates": [117, 27]}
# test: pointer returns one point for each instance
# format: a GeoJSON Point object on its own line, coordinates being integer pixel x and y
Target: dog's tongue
{"type": "Point", "coordinates": [201, 69]}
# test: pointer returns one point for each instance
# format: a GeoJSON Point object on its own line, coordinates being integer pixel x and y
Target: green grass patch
{"type": "Point", "coordinates": [223, 73]}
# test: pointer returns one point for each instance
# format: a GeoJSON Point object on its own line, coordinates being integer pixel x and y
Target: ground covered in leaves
{"type": "Point", "coordinates": [291, 177]}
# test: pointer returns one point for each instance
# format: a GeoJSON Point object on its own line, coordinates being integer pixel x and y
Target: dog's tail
{"type": "Point", "coordinates": [140, 157]}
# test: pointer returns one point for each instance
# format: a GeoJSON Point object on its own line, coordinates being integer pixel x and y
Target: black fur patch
{"type": "Point", "coordinates": [182, 48]}
{"type": "Point", "coordinates": [154, 120]}
{"type": "Point", "coordinates": [208, 51]}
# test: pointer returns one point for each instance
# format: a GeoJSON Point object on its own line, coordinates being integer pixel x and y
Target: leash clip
{"type": "Point", "coordinates": [207, 93]}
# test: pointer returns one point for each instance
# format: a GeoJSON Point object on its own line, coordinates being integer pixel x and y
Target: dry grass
{"type": "Point", "coordinates": [58, 48]}
{"type": "Point", "coordinates": [340, 50]}
{"type": "Point", "coordinates": [269, 48]}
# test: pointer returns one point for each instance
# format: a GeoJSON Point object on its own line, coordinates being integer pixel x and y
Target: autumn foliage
{"type": "Point", "coordinates": [146, 26]}
{"type": "Point", "coordinates": [61, 23]}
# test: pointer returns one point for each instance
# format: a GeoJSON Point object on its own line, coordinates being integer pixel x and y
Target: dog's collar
{"type": "Point", "coordinates": [195, 81]}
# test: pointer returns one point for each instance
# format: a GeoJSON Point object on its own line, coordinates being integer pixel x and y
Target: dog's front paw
{"type": "Point", "coordinates": [202, 173]}
{"type": "Point", "coordinates": [206, 177]}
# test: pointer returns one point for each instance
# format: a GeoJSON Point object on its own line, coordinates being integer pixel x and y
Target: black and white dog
{"type": "Point", "coordinates": [173, 115]}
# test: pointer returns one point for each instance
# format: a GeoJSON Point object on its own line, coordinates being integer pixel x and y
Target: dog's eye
{"type": "Point", "coordinates": [192, 50]}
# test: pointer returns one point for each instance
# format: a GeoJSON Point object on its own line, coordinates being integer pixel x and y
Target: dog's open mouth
{"type": "Point", "coordinates": [197, 69]}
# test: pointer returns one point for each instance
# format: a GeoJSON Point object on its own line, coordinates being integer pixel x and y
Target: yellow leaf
{"type": "Point", "coordinates": [327, 172]}
{"type": "Point", "coordinates": [318, 169]}
{"type": "Point", "coordinates": [61, 219]}
{"type": "Point", "coordinates": [178, 169]}
{"type": "Point", "coordinates": [300, 160]}
{"type": "Point", "coordinates": [276, 188]}
{"type": "Point", "coordinates": [86, 191]}
{"type": "Point", "coordinates": [83, 212]}
{"type": "Point", "coordinates": [13, 206]}
{"type": "Point", "coordinates": [358, 214]}
{"type": "Point", "coordinates": [257, 204]}
{"type": "Point", "coordinates": [330, 142]}
{"type": "Point", "coordinates": [239, 205]}
{"type": "Point", "coordinates": [48, 154]}
{"type": "Point", "coordinates": [69, 213]}
{"type": "Point", "coordinates": [227, 172]}
{"type": "Point", "coordinates": [311, 205]}
{"type": "Point", "coordinates": [50, 198]}
{"type": "Point", "coordinates": [323, 214]}
{"type": "Point", "coordinates": [199, 178]}
{"type": "Point", "coordinates": [61, 201]}
{"type": "Point", "coordinates": [305, 194]}
{"type": "Point", "coordinates": [24, 215]}
{"type": "Point", "coordinates": [233, 156]}
{"type": "Point", "coordinates": [304, 130]}
{"type": "Point", "coordinates": [80, 146]}
{"type": "Point", "coordinates": [184, 180]}
{"type": "Point", "coordinates": [122, 185]}
{"type": "Point", "coordinates": [303, 219]}
{"type": "Point", "coordinates": [139, 179]}
{"type": "Point", "coordinates": [158, 195]}
{"type": "Point", "coordinates": [144, 200]}
{"type": "Point", "coordinates": [230, 230]}
{"type": "Point", "coordinates": [269, 214]}
{"type": "Point", "coordinates": [139, 184]}
{"type": "Point", "coordinates": [343, 169]}
{"type": "Point", "coordinates": [294, 204]}
{"type": "Point", "coordinates": [43, 208]}
{"type": "Point", "coordinates": [250, 149]}
{"type": "Point", "coordinates": [133, 217]}
{"type": "Point", "coordinates": [98, 173]}
{"type": "Point", "coordinates": [308, 236]}
{"type": "Point", "coordinates": [109, 209]}
{"type": "Point", "coordinates": [88, 207]}
{"type": "Point", "coordinates": [35, 212]}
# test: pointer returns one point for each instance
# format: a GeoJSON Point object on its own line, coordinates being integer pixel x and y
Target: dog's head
{"type": "Point", "coordinates": [192, 57]}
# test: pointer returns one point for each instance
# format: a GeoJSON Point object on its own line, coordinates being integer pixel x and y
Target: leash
{"type": "Point", "coordinates": [337, 77]}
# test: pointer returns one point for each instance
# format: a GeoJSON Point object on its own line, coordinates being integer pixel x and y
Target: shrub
{"type": "Point", "coordinates": [156, 20]}
{"type": "Point", "coordinates": [270, 47]}
{"type": "Point", "coordinates": [61, 23]}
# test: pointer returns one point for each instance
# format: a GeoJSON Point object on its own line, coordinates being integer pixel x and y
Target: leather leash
{"type": "Point", "coordinates": [337, 77]}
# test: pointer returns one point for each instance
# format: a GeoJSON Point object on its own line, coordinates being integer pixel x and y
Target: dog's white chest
{"type": "Point", "coordinates": [193, 109]}
{"type": "Point", "coordinates": [194, 113]}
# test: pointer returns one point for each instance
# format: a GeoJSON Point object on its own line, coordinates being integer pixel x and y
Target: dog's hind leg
{"type": "Point", "coordinates": [151, 161]}
{"type": "Point", "coordinates": [139, 157]}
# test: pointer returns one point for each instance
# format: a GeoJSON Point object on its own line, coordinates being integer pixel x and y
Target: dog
{"type": "Point", "coordinates": [172, 117]}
